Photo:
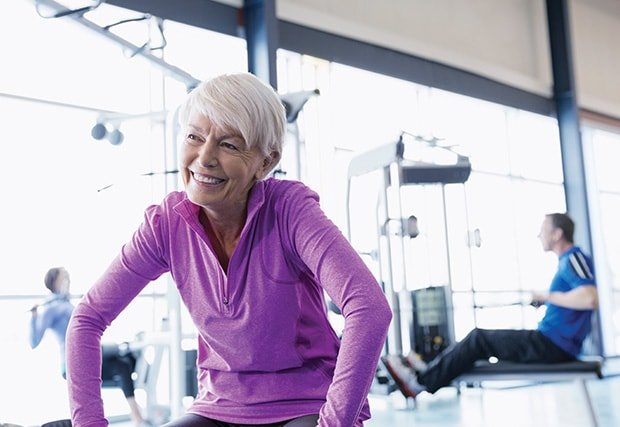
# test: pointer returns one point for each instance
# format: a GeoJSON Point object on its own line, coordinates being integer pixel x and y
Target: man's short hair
{"type": "Point", "coordinates": [50, 278]}
{"type": "Point", "coordinates": [564, 223]}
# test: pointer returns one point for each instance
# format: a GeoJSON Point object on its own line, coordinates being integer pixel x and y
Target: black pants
{"type": "Point", "coordinates": [523, 346]}
{"type": "Point", "coordinates": [117, 368]}
{"type": "Point", "coordinates": [191, 420]}
{"type": "Point", "coordinates": [116, 371]}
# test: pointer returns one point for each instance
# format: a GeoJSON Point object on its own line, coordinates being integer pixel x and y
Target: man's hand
{"type": "Point", "coordinates": [539, 298]}
{"type": "Point", "coordinates": [582, 297]}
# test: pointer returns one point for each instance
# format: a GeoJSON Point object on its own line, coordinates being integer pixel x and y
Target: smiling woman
{"type": "Point", "coordinates": [221, 163]}
{"type": "Point", "coordinates": [251, 258]}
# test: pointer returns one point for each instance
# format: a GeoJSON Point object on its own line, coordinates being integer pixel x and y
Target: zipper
{"type": "Point", "coordinates": [197, 227]}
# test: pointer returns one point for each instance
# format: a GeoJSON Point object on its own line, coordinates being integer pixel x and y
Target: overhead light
{"type": "Point", "coordinates": [108, 124]}
{"type": "Point", "coordinates": [110, 132]}
{"type": "Point", "coordinates": [99, 131]}
{"type": "Point", "coordinates": [115, 137]}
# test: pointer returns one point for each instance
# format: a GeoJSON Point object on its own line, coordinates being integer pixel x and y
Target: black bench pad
{"type": "Point", "coordinates": [575, 366]}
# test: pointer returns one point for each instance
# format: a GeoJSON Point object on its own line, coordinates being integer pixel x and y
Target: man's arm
{"type": "Point", "coordinates": [39, 323]}
{"type": "Point", "coordinates": [584, 297]}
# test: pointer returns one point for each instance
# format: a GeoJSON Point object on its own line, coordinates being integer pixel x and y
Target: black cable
{"type": "Point", "coordinates": [143, 18]}
{"type": "Point", "coordinates": [164, 42]}
{"type": "Point", "coordinates": [124, 21]}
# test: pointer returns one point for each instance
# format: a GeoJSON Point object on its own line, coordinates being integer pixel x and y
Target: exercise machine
{"type": "Point", "coordinates": [422, 319]}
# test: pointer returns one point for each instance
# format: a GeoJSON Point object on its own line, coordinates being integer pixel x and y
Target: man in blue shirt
{"type": "Point", "coordinates": [57, 312]}
{"type": "Point", "coordinates": [570, 301]}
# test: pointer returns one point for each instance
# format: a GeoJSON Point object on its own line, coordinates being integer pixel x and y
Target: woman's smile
{"type": "Point", "coordinates": [207, 180]}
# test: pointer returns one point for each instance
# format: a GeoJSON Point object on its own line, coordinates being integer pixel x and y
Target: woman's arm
{"type": "Point", "coordinates": [100, 306]}
{"type": "Point", "coordinates": [140, 261]}
{"type": "Point", "coordinates": [348, 281]}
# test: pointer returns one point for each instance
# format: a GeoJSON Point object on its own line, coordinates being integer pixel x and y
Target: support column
{"type": "Point", "coordinates": [568, 121]}
{"type": "Point", "coordinates": [261, 33]}
{"type": "Point", "coordinates": [564, 93]}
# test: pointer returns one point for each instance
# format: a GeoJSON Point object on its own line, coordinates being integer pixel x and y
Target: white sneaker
{"type": "Point", "coordinates": [414, 360]}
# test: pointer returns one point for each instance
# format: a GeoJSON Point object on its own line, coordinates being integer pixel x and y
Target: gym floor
{"type": "Point", "coordinates": [496, 404]}
{"type": "Point", "coordinates": [505, 404]}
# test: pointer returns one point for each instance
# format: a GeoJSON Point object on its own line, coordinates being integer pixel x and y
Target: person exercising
{"type": "Point", "coordinates": [54, 314]}
{"type": "Point", "coordinates": [570, 301]}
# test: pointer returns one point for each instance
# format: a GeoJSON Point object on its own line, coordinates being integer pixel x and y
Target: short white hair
{"type": "Point", "coordinates": [243, 103]}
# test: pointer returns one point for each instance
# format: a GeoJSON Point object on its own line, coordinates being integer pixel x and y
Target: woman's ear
{"type": "Point", "coordinates": [269, 162]}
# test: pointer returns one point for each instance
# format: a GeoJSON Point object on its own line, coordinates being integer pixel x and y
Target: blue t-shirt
{"type": "Point", "coordinates": [568, 327]}
{"type": "Point", "coordinates": [54, 317]}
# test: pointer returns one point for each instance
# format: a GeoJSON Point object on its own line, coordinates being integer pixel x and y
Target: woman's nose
{"type": "Point", "coordinates": [207, 157]}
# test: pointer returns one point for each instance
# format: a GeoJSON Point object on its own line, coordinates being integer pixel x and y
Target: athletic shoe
{"type": "Point", "coordinates": [403, 376]}
{"type": "Point", "coordinates": [415, 362]}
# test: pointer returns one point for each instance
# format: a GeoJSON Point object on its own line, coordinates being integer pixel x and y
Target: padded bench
{"type": "Point", "coordinates": [579, 371]}
{"type": "Point", "coordinates": [536, 372]}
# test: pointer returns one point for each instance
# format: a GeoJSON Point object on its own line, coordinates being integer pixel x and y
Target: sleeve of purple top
{"type": "Point", "coordinates": [141, 260]}
{"type": "Point", "coordinates": [347, 280]}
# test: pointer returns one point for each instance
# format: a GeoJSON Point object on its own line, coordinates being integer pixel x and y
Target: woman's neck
{"type": "Point", "coordinates": [224, 232]}
{"type": "Point", "coordinates": [225, 224]}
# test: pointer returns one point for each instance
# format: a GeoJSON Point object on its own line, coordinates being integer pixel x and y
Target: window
{"type": "Point", "coordinates": [58, 79]}
{"type": "Point", "coordinates": [490, 227]}
{"type": "Point", "coordinates": [601, 151]}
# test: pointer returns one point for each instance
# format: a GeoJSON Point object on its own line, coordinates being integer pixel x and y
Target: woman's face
{"type": "Point", "coordinates": [217, 169]}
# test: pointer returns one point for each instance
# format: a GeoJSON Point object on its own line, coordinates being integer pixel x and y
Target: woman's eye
{"type": "Point", "coordinates": [193, 139]}
{"type": "Point", "coordinates": [229, 145]}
